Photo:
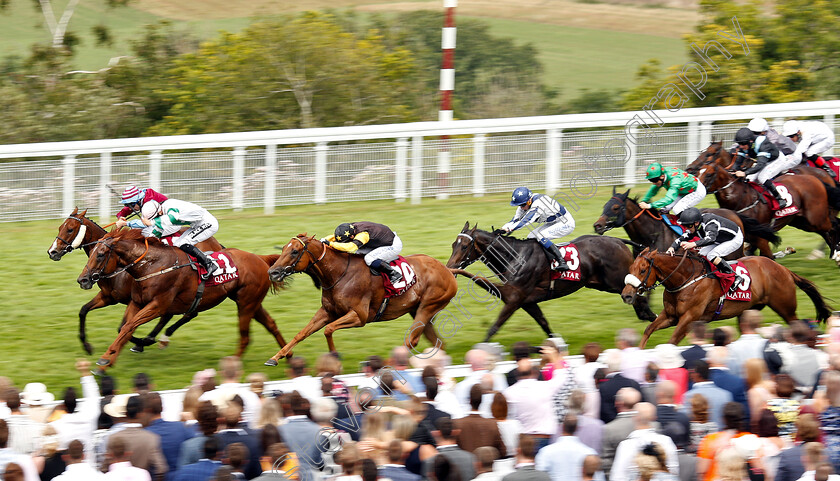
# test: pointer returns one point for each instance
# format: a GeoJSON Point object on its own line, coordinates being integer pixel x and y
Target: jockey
{"type": "Point", "coordinates": [376, 242]}
{"type": "Point", "coordinates": [163, 219]}
{"type": "Point", "coordinates": [557, 221]}
{"type": "Point", "coordinates": [812, 138]}
{"type": "Point", "coordinates": [769, 161]}
{"type": "Point", "coordinates": [759, 126]}
{"type": "Point", "coordinates": [719, 237]}
{"type": "Point", "coordinates": [134, 198]}
{"type": "Point", "coordinates": [684, 190]}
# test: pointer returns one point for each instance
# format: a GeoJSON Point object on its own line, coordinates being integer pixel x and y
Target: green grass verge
{"type": "Point", "coordinates": [40, 298]}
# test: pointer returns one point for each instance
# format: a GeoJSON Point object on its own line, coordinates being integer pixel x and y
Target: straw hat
{"type": "Point", "coordinates": [668, 357]}
{"type": "Point", "coordinates": [35, 394]}
{"type": "Point", "coordinates": [116, 408]}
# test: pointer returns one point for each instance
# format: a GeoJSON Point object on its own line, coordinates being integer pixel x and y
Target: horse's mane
{"type": "Point", "coordinates": [83, 216]}
{"type": "Point", "coordinates": [132, 234]}
{"type": "Point", "coordinates": [507, 237]}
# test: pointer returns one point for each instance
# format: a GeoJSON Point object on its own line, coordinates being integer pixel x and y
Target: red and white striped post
{"type": "Point", "coordinates": [447, 85]}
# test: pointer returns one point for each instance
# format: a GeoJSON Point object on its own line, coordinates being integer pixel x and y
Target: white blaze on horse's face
{"type": "Point", "coordinates": [632, 280]}
{"type": "Point", "coordinates": [79, 237]}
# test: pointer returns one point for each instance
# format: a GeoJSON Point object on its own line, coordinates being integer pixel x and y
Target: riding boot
{"type": "Point", "coordinates": [393, 273]}
{"type": "Point", "coordinates": [557, 262]}
{"type": "Point", "coordinates": [768, 184]}
{"type": "Point", "coordinates": [821, 163]}
{"type": "Point", "coordinates": [724, 267]}
{"type": "Point", "coordinates": [206, 261]}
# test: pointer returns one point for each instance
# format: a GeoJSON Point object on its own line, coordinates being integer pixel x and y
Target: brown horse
{"type": "Point", "coordinates": [692, 293]}
{"type": "Point", "coordinates": [79, 231]}
{"type": "Point", "coordinates": [353, 295]}
{"type": "Point", "coordinates": [164, 287]}
{"type": "Point", "coordinates": [806, 192]}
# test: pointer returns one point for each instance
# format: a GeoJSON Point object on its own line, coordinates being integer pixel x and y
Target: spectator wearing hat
{"type": "Point", "coordinates": [36, 399]}
{"type": "Point", "coordinates": [77, 469]}
{"type": "Point", "coordinates": [8, 456]}
{"type": "Point", "coordinates": [143, 445]}
{"type": "Point", "coordinates": [670, 364]}
{"type": "Point", "coordinates": [24, 432]}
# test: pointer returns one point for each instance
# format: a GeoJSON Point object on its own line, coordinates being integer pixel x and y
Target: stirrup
{"type": "Point", "coordinates": [556, 266]}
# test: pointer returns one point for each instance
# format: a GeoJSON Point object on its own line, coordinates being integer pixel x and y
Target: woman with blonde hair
{"type": "Point", "coordinates": [651, 466]}
{"type": "Point", "coordinates": [375, 437]}
{"type": "Point", "coordinates": [270, 413]}
{"type": "Point", "coordinates": [759, 389]}
{"type": "Point", "coordinates": [731, 466]}
{"type": "Point", "coordinates": [190, 405]}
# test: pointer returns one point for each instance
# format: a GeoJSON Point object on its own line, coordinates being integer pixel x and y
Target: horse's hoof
{"type": "Point", "coordinates": [97, 372]}
{"type": "Point", "coordinates": [271, 362]}
{"type": "Point", "coordinates": [88, 348]}
{"type": "Point", "coordinates": [163, 343]}
{"type": "Point", "coordinates": [103, 362]}
{"type": "Point", "coordinates": [138, 348]}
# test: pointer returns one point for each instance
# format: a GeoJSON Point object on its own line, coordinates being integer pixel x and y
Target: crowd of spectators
{"type": "Point", "coordinates": [759, 405]}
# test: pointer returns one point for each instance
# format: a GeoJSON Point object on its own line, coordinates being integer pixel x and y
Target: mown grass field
{"type": "Point", "coordinates": [40, 298]}
{"type": "Point", "coordinates": [582, 45]}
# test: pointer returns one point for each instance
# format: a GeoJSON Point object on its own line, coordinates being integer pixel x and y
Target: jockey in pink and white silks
{"type": "Point", "coordinates": [556, 221]}
{"type": "Point", "coordinates": [160, 220]}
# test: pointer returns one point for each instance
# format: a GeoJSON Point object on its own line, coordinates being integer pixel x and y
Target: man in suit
{"type": "Point", "coordinates": [525, 466]}
{"type": "Point", "coordinates": [750, 345]}
{"type": "Point", "coordinates": [485, 457]}
{"type": "Point", "coordinates": [395, 469]}
{"type": "Point", "coordinates": [563, 459]}
{"type": "Point", "coordinates": [234, 430]}
{"type": "Point", "coordinates": [446, 437]}
{"type": "Point", "coordinates": [617, 431]}
{"type": "Point", "coordinates": [716, 396]}
{"type": "Point", "coordinates": [423, 433]}
{"type": "Point", "coordinates": [299, 433]}
{"type": "Point", "coordinates": [672, 423]}
{"type": "Point", "coordinates": [205, 468]}
{"type": "Point", "coordinates": [172, 434]}
{"type": "Point", "coordinates": [723, 378]}
{"type": "Point", "coordinates": [614, 382]}
{"type": "Point", "coordinates": [697, 337]}
{"type": "Point", "coordinates": [475, 430]}
{"type": "Point", "coordinates": [143, 445]}
{"type": "Point", "coordinates": [790, 460]}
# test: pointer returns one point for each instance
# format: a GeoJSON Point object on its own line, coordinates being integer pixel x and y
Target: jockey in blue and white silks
{"type": "Point", "coordinates": [556, 221]}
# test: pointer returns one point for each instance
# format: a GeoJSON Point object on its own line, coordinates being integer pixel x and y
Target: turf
{"type": "Point", "coordinates": [40, 298]}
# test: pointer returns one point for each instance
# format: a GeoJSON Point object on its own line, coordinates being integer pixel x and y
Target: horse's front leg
{"type": "Point", "coordinates": [99, 301]}
{"type": "Point", "coordinates": [319, 320]}
{"type": "Point", "coordinates": [662, 321]}
{"type": "Point", "coordinates": [134, 317]}
{"type": "Point", "coordinates": [351, 319]}
{"type": "Point", "coordinates": [139, 344]}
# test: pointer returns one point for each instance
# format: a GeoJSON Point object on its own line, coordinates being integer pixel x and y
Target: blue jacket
{"type": "Point", "coordinates": [171, 434]}
{"type": "Point", "coordinates": [716, 397]}
{"type": "Point", "coordinates": [203, 470]}
{"type": "Point", "coordinates": [727, 381]}
{"type": "Point", "coordinates": [398, 473]}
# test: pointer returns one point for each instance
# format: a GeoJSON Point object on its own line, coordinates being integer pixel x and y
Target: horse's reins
{"type": "Point", "coordinates": [466, 263]}
{"type": "Point", "coordinates": [315, 261]}
{"type": "Point", "coordinates": [98, 276]}
{"type": "Point", "coordinates": [730, 184]}
{"type": "Point", "coordinates": [662, 282]}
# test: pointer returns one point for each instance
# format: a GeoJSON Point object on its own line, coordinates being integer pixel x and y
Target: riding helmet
{"type": "Point", "coordinates": [790, 127]}
{"type": "Point", "coordinates": [758, 125]}
{"type": "Point", "coordinates": [345, 232]}
{"type": "Point", "coordinates": [131, 194]}
{"type": "Point", "coordinates": [744, 136]}
{"type": "Point", "coordinates": [654, 171]}
{"type": "Point", "coordinates": [520, 196]}
{"type": "Point", "coordinates": [690, 216]}
{"type": "Point", "coordinates": [151, 209]}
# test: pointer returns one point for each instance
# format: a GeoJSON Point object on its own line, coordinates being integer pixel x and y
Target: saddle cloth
{"type": "Point", "coordinates": [742, 293]}
{"type": "Point", "coordinates": [227, 270]}
{"type": "Point", "coordinates": [671, 221]}
{"type": "Point", "coordinates": [571, 255]}
{"type": "Point", "coordinates": [773, 203]}
{"type": "Point", "coordinates": [408, 280]}
{"type": "Point", "coordinates": [833, 163]}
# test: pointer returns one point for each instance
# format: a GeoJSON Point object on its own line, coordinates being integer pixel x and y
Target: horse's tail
{"type": "Point", "coordinates": [833, 195]}
{"type": "Point", "coordinates": [763, 231]}
{"type": "Point", "coordinates": [823, 311]}
{"type": "Point", "coordinates": [483, 282]}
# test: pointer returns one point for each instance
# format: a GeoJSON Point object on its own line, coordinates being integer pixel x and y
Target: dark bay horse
{"type": "Point", "coordinates": [165, 284]}
{"type": "Point", "coordinates": [692, 293]}
{"type": "Point", "coordinates": [807, 193]}
{"type": "Point", "coordinates": [78, 231]}
{"type": "Point", "coordinates": [351, 295]}
{"type": "Point", "coordinates": [645, 227]}
{"type": "Point", "coordinates": [524, 268]}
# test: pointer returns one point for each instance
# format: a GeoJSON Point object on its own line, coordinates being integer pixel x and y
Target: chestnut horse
{"type": "Point", "coordinates": [806, 192]}
{"type": "Point", "coordinates": [351, 295]}
{"type": "Point", "coordinates": [645, 226]}
{"type": "Point", "coordinates": [79, 231]}
{"type": "Point", "coordinates": [692, 293]}
{"type": "Point", "coordinates": [524, 268]}
{"type": "Point", "coordinates": [163, 286]}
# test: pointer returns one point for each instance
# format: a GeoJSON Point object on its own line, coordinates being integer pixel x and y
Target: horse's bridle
{"type": "Point", "coordinates": [97, 276]}
{"type": "Point", "coordinates": [290, 269]}
{"type": "Point", "coordinates": [623, 214]}
{"type": "Point", "coordinates": [77, 241]}
{"type": "Point", "coordinates": [470, 247]}
{"type": "Point", "coordinates": [642, 288]}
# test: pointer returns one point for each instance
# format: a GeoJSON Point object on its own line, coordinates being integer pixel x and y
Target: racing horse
{"type": "Point", "coordinates": [524, 268]}
{"type": "Point", "coordinates": [645, 227]}
{"type": "Point", "coordinates": [806, 192]}
{"type": "Point", "coordinates": [77, 231]}
{"type": "Point", "coordinates": [351, 295]}
{"type": "Point", "coordinates": [692, 293]}
{"type": "Point", "coordinates": [163, 286]}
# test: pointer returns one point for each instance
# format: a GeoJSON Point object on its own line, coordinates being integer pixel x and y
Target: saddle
{"type": "Point", "coordinates": [768, 198]}
{"type": "Point", "coordinates": [671, 221]}
{"type": "Point", "coordinates": [832, 162]}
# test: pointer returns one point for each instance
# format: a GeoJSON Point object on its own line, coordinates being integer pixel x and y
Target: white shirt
{"type": "Point", "coordinates": [510, 430]}
{"type": "Point", "coordinates": [79, 472]}
{"type": "Point", "coordinates": [563, 459]}
{"type": "Point", "coordinates": [462, 389]}
{"type": "Point", "coordinates": [448, 403]}
{"type": "Point", "coordinates": [250, 399]}
{"type": "Point", "coordinates": [24, 434]}
{"type": "Point", "coordinates": [634, 363]}
{"type": "Point", "coordinates": [624, 467]}
{"type": "Point", "coordinates": [531, 403]}
{"type": "Point", "coordinates": [488, 476]}
{"type": "Point", "coordinates": [81, 423]}
{"type": "Point", "coordinates": [30, 472]}
{"type": "Point", "coordinates": [126, 472]}
{"type": "Point", "coordinates": [307, 386]}
{"type": "Point", "coordinates": [809, 476]}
